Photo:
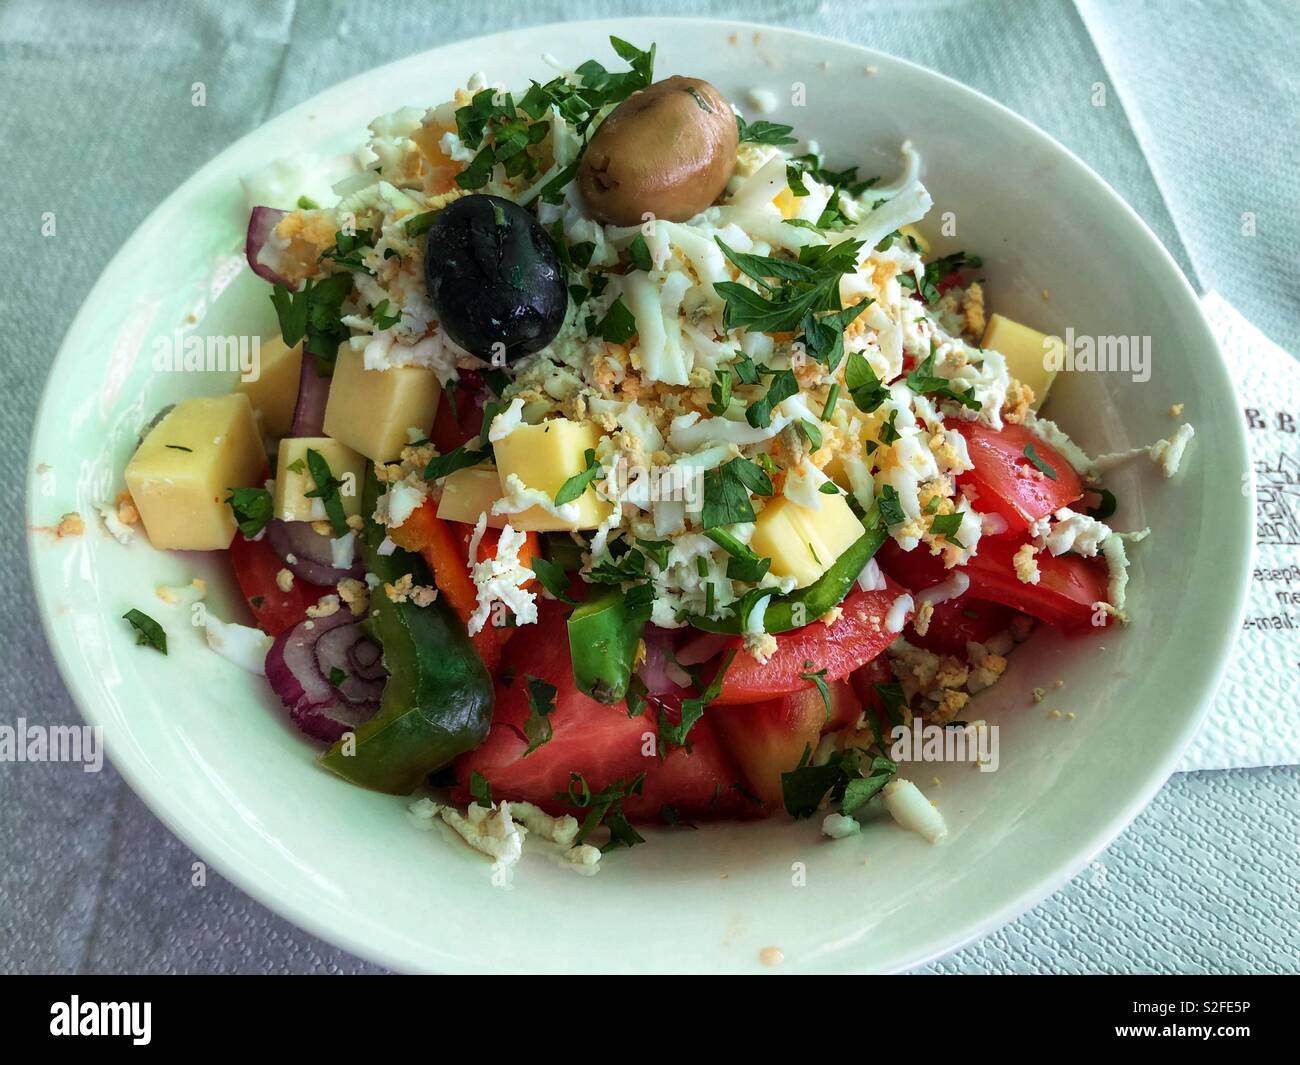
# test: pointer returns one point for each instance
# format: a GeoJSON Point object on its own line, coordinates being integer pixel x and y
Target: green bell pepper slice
{"type": "Point", "coordinates": [604, 632]}
{"type": "Point", "coordinates": [437, 702]}
{"type": "Point", "coordinates": [798, 608]}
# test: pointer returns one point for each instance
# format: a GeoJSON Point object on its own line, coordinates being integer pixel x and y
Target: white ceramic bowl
{"type": "Point", "coordinates": [208, 748]}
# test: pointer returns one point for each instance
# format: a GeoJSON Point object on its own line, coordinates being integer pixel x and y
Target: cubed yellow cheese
{"type": "Point", "coordinates": [293, 479]}
{"type": "Point", "coordinates": [1029, 354]}
{"type": "Point", "coordinates": [274, 392]}
{"type": "Point", "coordinates": [371, 410]}
{"type": "Point", "coordinates": [804, 543]}
{"type": "Point", "coordinates": [181, 474]}
{"type": "Point", "coordinates": [469, 493]}
{"type": "Point", "coordinates": [543, 457]}
{"type": "Point", "coordinates": [922, 245]}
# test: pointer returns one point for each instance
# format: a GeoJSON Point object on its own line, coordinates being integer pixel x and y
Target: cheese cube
{"type": "Point", "coordinates": [371, 410]}
{"type": "Point", "coordinates": [469, 493]}
{"type": "Point", "coordinates": [1028, 353]}
{"type": "Point", "coordinates": [804, 543]}
{"type": "Point", "coordinates": [293, 479]}
{"type": "Point", "coordinates": [922, 245]}
{"type": "Point", "coordinates": [543, 457]}
{"type": "Point", "coordinates": [181, 474]}
{"type": "Point", "coordinates": [274, 393]}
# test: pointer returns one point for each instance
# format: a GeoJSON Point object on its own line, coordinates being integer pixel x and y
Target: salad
{"type": "Point", "coordinates": [620, 460]}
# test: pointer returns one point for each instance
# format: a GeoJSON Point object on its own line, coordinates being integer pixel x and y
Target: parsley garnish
{"type": "Point", "coordinates": [639, 253]}
{"type": "Point", "coordinates": [745, 564]}
{"type": "Point", "coordinates": [480, 788]}
{"type": "Point", "coordinates": [867, 390]}
{"type": "Point", "coordinates": [783, 385]}
{"type": "Point", "coordinates": [818, 678]}
{"type": "Point", "coordinates": [1042, 467]}
{"type": "Point", "coordinates": [315, 313]}
{"type": "Point", "coordinates": [721, 391]}
{"type": "Point", "coordinates": [618, 326]}
{"type": "Point", "coordinates": [671, 735]}
{"type": "Point", "coordinates": [383, 316]}
{"type": "Point", "coordinates": [541, 702]}
{"type": "Point", "coordinates": [553, 577]}
{"type": "Point", "coordinates": [252, 508]}
{"type": "Point", "coordinates": [851, 777]}
{"type": "Point", "coordinates": [577, 484]}
{"type": "Point", "coordinates": [763, 132]}
{"type": "Point", "coordinates": [604, 807]}
{"type": "Point", "coordinates": [924, 381]}
{"type": "Point", "coordinates": [936, 270]}
{"type": "Point", "coordinates": [337, 676]}
{"type": "Point", "coordinates": [441, 466]}
{"type": "Point", "coordinates": [947, 526]}
{"type": "Point", "coordinates": [327, 491]}
{"type": "Point", "coordinates": [147, 631]}
{"type": "Point", "coordinates": [726, 492]}
{"type": "Point", "coordinates": [891, 510]}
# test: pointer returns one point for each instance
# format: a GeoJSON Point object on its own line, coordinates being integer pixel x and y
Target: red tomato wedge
{"type": "Point", "coordinates": [959, 621]}
{"type": "Point", "coordinates": [855, 637]}
{"type": "Point", "coordinates": [460, 414]}
{"type": "Point", "coordinates": [1007, 483]}
{"type": "Point", "coordinates": [256, 564]}
{"type": "Point", "coordinates": [596, 740]}
{"type": "Point", "coordinates": [1067, 587]}
{"type": "Point", "coordinates": [445, 547]}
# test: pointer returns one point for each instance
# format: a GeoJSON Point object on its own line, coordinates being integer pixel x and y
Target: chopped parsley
{"type": "Point", "coordinates": [936, 270]}
{"type": "Point", "coordinates": [782, 386]}
{"type": "Point", "coordinates": [604, 807]}
{"type": "Point", "coordinates": [252, 508]}
{"type": "Point", "coordinates": [674, 735]}
{"type": "Point", "coordinates": [327, 491]}
{"type": "Point", "coordinates": [577, 484]}
{"type": "Point", "coordinates": [851, 777]}
{"type": "Point", "coordinates": [867, 390]}
{"type": "Point", "coordinates": [383, 316]}
{"type": "Point", "coordinates": [618, 326]}
{"type": "Point", "coordinates": [541, 703]}
{"type": "Point", "coordinates": [314, 314]}
{"type": "Point", "coordinates": [924, 381]}
{"type": "Point", "coordinates": [891, 509]}
{"type": "Point", "coordinates": [480, 788]}
{"type": "Point", "coordinates": [441, 466]}
{"type": "Point", "coordinates": [639, 253]}
{"type": "Point", "coordinates": [147, 631]}
{"type": "Point", "coordinates": [745, 564]}
{"type": "Point", "coordinates": [763, 132]}
{"type": "Point", "coordinates": [553, 577]}
{"type": "Point", "coordinates": [1041, 466]}
{"type": "Point", "coordinates": [726, 492]}
{"type": "Point", "coordinates": [947, 526]}
{"type": "Point", "coordinates": [721, 392]}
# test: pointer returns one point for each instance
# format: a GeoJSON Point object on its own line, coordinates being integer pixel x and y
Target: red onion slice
{"type": "Point", "coordinates": [261, 222]}
{"type": "Point", "coordinates": [313, 394]}
{"type": "Point", "coordinates": [293, 668]}
{"type": "Point", "coordinates": [307, 553]}
{"type": "Point", "coordinates": [332, 653]}
{"type": "Point", "coordinates": [659, 672]}
{"type": "Point", "coordinates": [701, 648]}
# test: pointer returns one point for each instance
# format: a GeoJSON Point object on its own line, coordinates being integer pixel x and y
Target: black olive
{"type": "Point", "coordinates": [494, 278]}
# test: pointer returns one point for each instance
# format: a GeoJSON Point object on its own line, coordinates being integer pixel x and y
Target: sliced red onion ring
{"type": "Point", "coordinates": [702, 647]}
{"type": "Point", "coordinates": [294, 669]}
{"type": "Point", "coordinates": [261, 223]}
{"type": "Point", "coordinates": [659, 672]}
{"type": "Point", "coordinates": [307, 553]}
{"type": "Point", "coordinates": [313, 394]}
{"type": "Point", "coordinates": [366, 660]}
{"type": "Point", "coordinates": [332, 653]}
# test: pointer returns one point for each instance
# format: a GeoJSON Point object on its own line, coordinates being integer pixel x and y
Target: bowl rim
{"type": "Point", "coordinates": [206, 843]}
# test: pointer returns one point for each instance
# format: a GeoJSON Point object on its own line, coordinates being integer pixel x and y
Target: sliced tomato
{"type": "Point", "coordinates": [770, 738]}
{"type": "Point", "coordinates": [445, 547]}
{"type": "Point", "coordinates": [460, 413]}
{"type": "Point", "coordinates": [256, 565]}
{"type": "Point", "coordinates": [959, 621]}
{"type": "Point", "coordinates": [598, 741]}
{"type": "Point", "coordinates": [1067, 588]}
{"type": "Point", "coordinates": [1007, 483]}
{"type": "Point", "coordinates": [855, 637]}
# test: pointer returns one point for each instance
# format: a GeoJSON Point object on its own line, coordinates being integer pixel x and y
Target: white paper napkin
{"type": "Point", "coordinates": [1255, 720]}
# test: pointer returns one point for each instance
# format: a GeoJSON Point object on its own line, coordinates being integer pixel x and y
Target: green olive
{"type": "Point", "coordinates": [667, 150]}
